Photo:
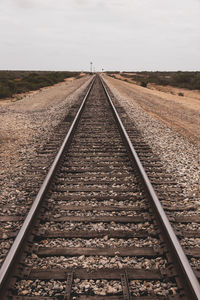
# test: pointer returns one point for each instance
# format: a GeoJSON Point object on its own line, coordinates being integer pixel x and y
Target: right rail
{"type": "Point", "coordinates": [180, 260]}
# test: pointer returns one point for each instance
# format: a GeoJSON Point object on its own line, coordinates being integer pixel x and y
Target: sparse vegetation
{"type": "Point", "coordinates": [188, 80]}
{"type": "Point", "coordinates": [112, 72]}
{"type": "Point", "coordinates": [15, 82]}
{"type": "Point", "coordinates": [143, 83]}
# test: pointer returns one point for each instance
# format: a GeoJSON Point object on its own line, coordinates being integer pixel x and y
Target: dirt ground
{"type": "Point", "coordinates": [41, 98]}
{"type": "Point", "coordinates": [21, 120]}
{"type": "Point", "coordinates": [166, 89]}
{"type": "Point", "coordinates": [181, 114]}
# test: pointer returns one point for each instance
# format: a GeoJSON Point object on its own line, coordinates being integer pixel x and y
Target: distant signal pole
{"type": "Point", "coordinates": [91, 67]}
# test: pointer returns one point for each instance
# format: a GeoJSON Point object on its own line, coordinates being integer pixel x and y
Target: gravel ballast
{"type": "Point", "coordinates": [99, 242]}
{"type": "Point", "coordinates": [70, 226]}
{"type": "Point", "coordinates": [180, 158]}
{"type": "Point", "coordinates": [24, 131]}
{"type": "Point", "coordinates": [26, 126]}
{"type": "Point", "coordinates": [95, 287]}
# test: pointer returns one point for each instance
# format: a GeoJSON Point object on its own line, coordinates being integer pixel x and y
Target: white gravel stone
{"type": "Point", "coordinates": [100, 242]}
{"type": "Point", "coordinates": [92, 213]}
{"type": "Point", "coordinates": [40, 288]}
{"type": "Point", "coordinates": [54, 226]}
{"type": "Point", "coordinates": [144, 288]}
{"type": "Point", "coordinates": [194, 242]}
{"type": "Point", "coordinates": [95, 262]}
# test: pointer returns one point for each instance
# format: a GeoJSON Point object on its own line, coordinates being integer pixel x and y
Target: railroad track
{"type": "Point", "coordinates": [96, 229]}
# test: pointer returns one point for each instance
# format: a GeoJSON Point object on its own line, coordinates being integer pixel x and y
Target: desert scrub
{"type": "Point", "coordinates": [15, 82]}
{"type": "Point", "coordinates": [143, 84]}
{"type": "Point", "coordinates": [188, 80]}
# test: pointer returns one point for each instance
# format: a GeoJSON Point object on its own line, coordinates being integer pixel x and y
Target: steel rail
{"type": "Point", "coordinates": [10, 259]}
{"type": "Point", "coordinates": [185, 272]}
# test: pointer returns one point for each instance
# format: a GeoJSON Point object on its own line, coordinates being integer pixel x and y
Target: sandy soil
{"type": "Point", "coordinates": [39, 99]}
{"type": "Point", "coordinates": [18, 119]}
{"type": "Point", "coordinates": [181, 114]}
{"type": "Point", "coordinates": [166, 89]}
{"type": "Point", "coordinates": [19, 97]}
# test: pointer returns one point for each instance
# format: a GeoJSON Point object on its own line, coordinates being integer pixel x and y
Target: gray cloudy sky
{"type": "Point", "coordinates": [113, 34]}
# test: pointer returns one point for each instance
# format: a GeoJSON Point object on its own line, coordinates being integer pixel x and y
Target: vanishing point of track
{"type": "Point", "coordinates": [89, 206]}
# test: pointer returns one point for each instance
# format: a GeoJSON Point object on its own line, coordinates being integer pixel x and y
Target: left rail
{"type": "Point", "coordinates": [15, 250]}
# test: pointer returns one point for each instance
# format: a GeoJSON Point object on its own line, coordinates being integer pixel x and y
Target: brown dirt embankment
{"type": "Point", "coordinates": [162, 88]}
{"type": "Point", "coordinates": [181, 114]}
{"type": "Point", "coordinates": [33, 116]}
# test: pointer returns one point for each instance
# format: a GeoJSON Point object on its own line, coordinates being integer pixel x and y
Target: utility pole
{"type": "Point", "coordinates": [91, 67]}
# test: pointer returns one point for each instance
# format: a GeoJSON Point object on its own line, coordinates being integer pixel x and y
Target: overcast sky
{"type": "Point", "coordinates": [113, 34]}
